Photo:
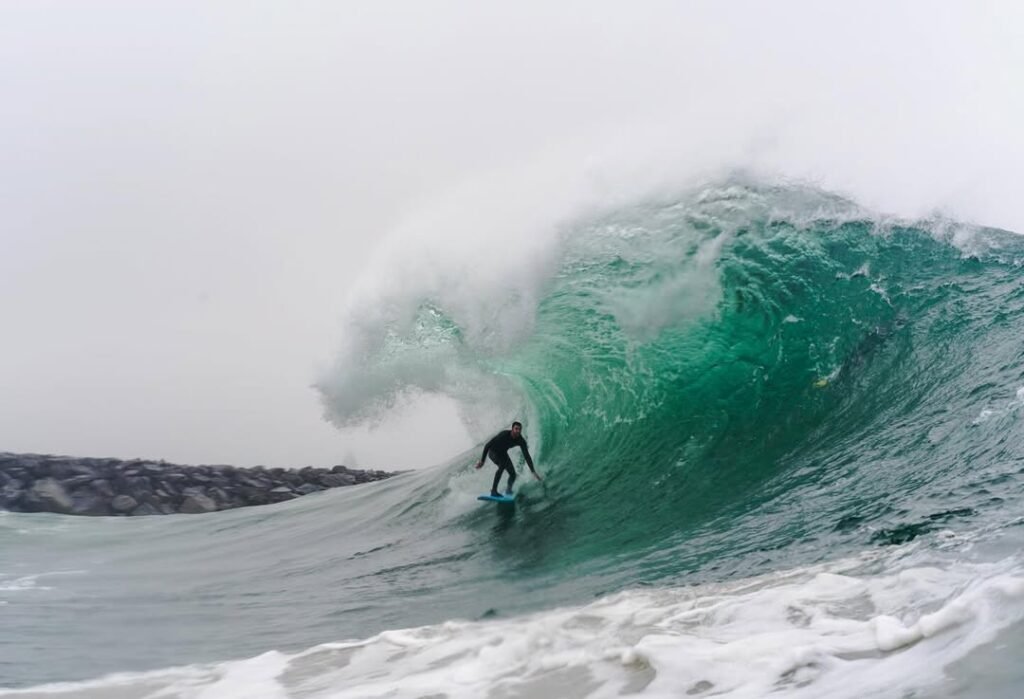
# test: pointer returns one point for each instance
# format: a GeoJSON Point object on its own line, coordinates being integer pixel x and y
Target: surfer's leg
{"type": "Point", "coordinates": [504, 464]}
{"type": "Point", "coordinates": [511, 477]}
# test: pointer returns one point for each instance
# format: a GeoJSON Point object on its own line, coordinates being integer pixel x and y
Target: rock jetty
{"type": "Point", "coordinates": [98, 487]}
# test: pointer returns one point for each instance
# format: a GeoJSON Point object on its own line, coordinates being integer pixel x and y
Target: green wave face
{"type": "Point", "coordinates": [747, 367]}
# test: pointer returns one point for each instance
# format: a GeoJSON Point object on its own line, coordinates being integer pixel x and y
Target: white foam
{"type": "Point", "coordinates": [256, 678]}
{"type": "Point", "coordinates": [1010, 408]}
{"type": "Point", "coordinates": [10, 583]}
{"type": "Point", "coordinates": [832, 630]}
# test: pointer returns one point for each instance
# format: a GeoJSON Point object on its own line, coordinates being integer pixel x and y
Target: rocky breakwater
{"type": "Point", "coordinates": [82, 486]}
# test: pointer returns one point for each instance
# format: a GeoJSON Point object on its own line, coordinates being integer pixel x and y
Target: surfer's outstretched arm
{"type": "Point", "coordinates": [529, 460]}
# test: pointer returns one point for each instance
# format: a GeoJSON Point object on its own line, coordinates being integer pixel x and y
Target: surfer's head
{"type": "Point", "coordinates": [517, 428]}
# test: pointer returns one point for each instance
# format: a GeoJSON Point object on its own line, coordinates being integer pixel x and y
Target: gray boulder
{"type": "Point", "coordinates": [124, 503]}
{"type": "Point", "coordinates": [83, 469]}
{"type": "Point", "coordinates": [168, 488]}
{"type": "Point", "coordinates": [10, 494]}
{"type": "Point", "coordinates": [252, 482]}
{"type": "Point", "coordinates": [335, 480]}
{"type": "Point", "coordinates": [87, 503]}
{"type": "Point", "coordinates": [282, 493]}
{"type": "Point", "coordinates": [48, 495]}
{"type": "Point", "coordinates": [197, 504]}
{"type": "Point", "coordinates": [102, 487]}
{"type": "Point", "coordinates": [75, 481]}
{"type": "Point", "coordinates": [219, 495]}
{"type": "Point", "coordinates": [14, 484]}
{"type": "Point", "coordinates": [138, 487]}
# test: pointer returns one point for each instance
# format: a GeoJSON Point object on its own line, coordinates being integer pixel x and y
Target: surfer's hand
{"type": "Point", "coordinates": [537, 476]}
{"type": "Point", "coordinates": [480, 464]}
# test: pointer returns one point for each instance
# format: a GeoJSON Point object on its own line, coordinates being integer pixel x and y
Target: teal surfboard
{"type": "Point", "coordinates": [497, 498]}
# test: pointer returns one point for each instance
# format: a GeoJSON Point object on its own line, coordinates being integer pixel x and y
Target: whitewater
{"type": "Point", "coordinates": [782, 443]}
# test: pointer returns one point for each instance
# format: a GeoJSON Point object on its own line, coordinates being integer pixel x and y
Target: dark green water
{"type": "Point", "coordinates": [711, 365]}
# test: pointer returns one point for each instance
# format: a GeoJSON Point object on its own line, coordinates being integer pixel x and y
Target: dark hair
{"type": "Point", "coordinates": [517, 423]}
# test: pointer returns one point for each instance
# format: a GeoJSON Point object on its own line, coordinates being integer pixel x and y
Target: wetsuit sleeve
{"type": "Point", "coordinates": [526, 453]}
{"type": "Point", "coordinates": [487, 447]}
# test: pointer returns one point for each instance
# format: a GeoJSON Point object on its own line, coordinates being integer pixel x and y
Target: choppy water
{"type": "Point", "coordinates": [784, 455]}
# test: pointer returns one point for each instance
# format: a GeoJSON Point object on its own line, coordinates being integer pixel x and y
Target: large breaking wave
{"type": "Point", "coordinates": [686, 362]}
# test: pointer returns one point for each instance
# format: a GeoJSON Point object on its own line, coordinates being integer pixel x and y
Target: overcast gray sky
{"type": "Point", "coordinates": [188, 190]}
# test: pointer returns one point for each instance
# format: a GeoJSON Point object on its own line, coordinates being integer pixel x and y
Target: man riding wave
{"type": "Point", "coordinates": [497, 448]}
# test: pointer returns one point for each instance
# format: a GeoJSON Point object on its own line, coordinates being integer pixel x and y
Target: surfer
{"type": "Point", "coordinates": [498, 448]}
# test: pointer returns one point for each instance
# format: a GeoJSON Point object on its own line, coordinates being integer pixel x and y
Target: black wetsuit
{"type": "Point", "coordinates": [498, 448]}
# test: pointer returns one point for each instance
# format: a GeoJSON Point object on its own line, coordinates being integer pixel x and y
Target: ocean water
{"type": "Point", "coordinates": [783, 448]}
